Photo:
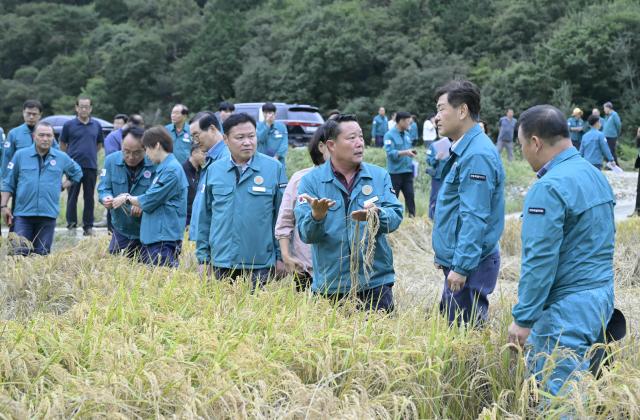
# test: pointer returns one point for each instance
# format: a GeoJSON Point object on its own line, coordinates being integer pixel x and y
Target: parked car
{"type": "Point", "coordinates": [57, 121]}
{"type": "Point", "coordinates": [301, 120]}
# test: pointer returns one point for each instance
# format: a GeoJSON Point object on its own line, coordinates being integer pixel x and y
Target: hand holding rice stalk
{"type": "Point", "coordinates": [366, 243]}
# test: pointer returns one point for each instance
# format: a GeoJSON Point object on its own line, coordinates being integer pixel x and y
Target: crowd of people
{"type": "Point", "coordinates": [222, 177]}
{"type": "Point", "coordinates": [596, 140]}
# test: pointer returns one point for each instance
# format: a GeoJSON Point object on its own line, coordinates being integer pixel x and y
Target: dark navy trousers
{"type": "Point", "coordinates": [471, 304]}
{"type": "Point", "coordinates": [165, 253]}
{"type": "Point", "coordinates": [37, 230]}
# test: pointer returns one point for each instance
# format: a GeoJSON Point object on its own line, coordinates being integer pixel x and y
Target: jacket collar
{"type": "Point", "coordinates": [53, 152]}
{"type": "Point", "coordinates": [466, 140]}
{"type": "Point", "coordinates": [120, 161]}
{"type": "Point", "coordinates": [328, 175]}
{"type": "Point", "coordinates": [559, 158]}
{"type": "Point", "coordinates": [170, 158]}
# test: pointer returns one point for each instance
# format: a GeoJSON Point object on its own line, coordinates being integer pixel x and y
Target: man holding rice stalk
{"type": "Point", "coordinates": [565, 294]}
{"type": "Point", "coordinates": [469, 216]}
{"type": "Point", "coordinates": [126, 171]}
{"type": "Point", "coordinates": [345, 210]}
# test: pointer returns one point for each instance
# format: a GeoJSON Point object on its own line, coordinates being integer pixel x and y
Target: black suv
{"type": "Point", "coordinates": [301, 120]}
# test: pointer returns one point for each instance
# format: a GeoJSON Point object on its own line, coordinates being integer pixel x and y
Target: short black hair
{"type": "Point", "coordinates": [226, 106]}
{"type": "Point", "coordinates": [608, 105]}
{"type": "Point", "coordinates": [155, 135]}
{"type": "Point", "coordinates": [32, 103]}
{"type": "Point", "coordinates": [205, 120]}
{"type": "Point", "coordinates": [83, 98]}
{"type": "Point", "coordinates": [544, 121]}
{"type": "Point", "coordinates": [402, 115]}
{"type": "Point", "coordinates": [593, 119]}
{"type": "Point", "coordinates": [332, 126]}
{"type": "Point", "coordinates": [268, 107]}
{"type": "Point", "coordinates": [237, 119]}
{"type": "Point", "coordinates": [136, 119]}
{"type": "Point", "coordinates": [462, 92]}
{"type": "Point", "coordinates": [314, 145]}
{"type": "Point", "coordinates": [122, 117]}
{"type": "Point", "coordinates": [136, 132]}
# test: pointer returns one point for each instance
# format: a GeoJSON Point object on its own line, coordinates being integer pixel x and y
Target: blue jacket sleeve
{"type": "Point", "coordinates": [618, 124]}
{"type": "Point", "coordinates": [391, 209]}
{"type": "Point", "coordinates": [581, 148]}
{"type": "Point", "coordinates": [262, 133]}
{"type": "Point", "coordinates": [477, 183]}
{"type": "Point", "coordinates": [110, 144]}
{"type": "Point", "coordinates": [203, 249]}
{"type": "Point", "coordinates": [73, 171]}
{"type": "Point", "coordinates": [542, 236]}
{"type": "Point", "coordinates": [284, 142]}
{"type": "Point", "coordinates": [104, 187]}
{"type": "Point", "coordinates": [431, 157]}
{"type": "Point", "coordinates": [390, 147]}
{"type": "Point", "coordinates": [9, 149]}
{"type": "Point", "coordinates": [310, 230]}
{"type": "Point", "coordinates": [10, 178]}
{"type": "Point", "coordinates": [158, 193]}
{"type": "Point", "coordinates": [604, 148]}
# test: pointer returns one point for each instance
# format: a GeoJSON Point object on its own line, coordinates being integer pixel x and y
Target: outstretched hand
{"type": "Point", "coordinates": [319, 206]}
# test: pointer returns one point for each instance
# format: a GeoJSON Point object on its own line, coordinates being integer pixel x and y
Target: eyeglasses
{"type": "Point", "coordinates": [84, 106]}
{"type": "Point", "coordinates": [133, 153]}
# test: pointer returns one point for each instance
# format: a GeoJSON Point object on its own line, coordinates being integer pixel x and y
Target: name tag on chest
{"type": "Point", "coordinates": [259, 189]}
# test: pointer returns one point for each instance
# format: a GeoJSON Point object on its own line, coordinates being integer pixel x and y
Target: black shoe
{"type": "Point", "coordinates": [88, 232]}
{"type": "Point", "coordinates": [72, 226]}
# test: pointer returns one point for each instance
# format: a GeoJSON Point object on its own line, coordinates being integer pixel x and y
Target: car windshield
{"type": "Point", "coordinates": [301, 115]}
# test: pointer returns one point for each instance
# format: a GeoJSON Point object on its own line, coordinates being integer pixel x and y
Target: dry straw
{"type": "Point", "coordinates": [363, 248]}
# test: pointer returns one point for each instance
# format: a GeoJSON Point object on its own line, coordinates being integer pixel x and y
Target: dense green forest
{"type": "Point", "coordinates": [144, 55]}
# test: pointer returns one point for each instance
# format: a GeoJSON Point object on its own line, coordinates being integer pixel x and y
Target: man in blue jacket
{"type": "Point", "coordinates": [379, 127]}
{"type": "Point", "coordinates": [34, 179]}
{"type": "Point", "coordinates": [179, 130]}
{"type": "Point", "coordinates": [612, 128]}
{"type": "Point", "coordinates": [334, 199]}
{"type": "Point", "coordinates": [21, 136]}
{"type": "Point", "coordinates": [576, 127]}
{"type": "Point", "coordinates": [469, 217]}
{"type": "Point", "coordinates": [594, 146]}
{"type": "Point", "coordinates": [565, 294]}
{"type": "Point", "coordinates": [273, 137]}
{"type": "Point", "coordinates": [205, 131]}
{"type": "Point", "coordinates": [126, 172]}
{"type": "Point", "coordinates": [239, 207]}
{"type": "Point", "coordinates": [399, 147]}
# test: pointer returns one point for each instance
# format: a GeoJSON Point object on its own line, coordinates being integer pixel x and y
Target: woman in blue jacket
{"type": "Point", "coordinates": [164, 204]}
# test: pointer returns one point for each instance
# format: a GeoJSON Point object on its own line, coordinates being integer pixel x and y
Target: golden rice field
{"type": "Point", "coordinates": [86, 335]}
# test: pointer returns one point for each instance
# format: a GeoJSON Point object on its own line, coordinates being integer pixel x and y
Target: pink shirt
{"type": "Point", "coordinates": [286, 223]}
